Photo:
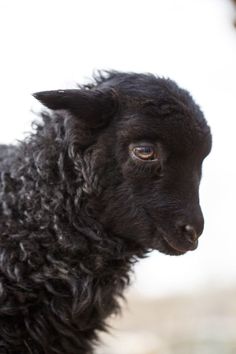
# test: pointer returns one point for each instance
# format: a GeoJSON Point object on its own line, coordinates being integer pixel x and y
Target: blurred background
{"type": "Point", "coordinates": [176, 305]}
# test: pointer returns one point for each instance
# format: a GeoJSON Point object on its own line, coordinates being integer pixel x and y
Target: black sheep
{"type": "Point", "coordinates": [110, 174]}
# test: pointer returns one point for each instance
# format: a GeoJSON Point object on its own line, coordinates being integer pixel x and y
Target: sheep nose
{"type": "Point", "coordinates": [191, 226]}
{"type": "Point", "coordinates": [190, 233]}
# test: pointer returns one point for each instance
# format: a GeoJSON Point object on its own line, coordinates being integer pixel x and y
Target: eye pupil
{"type": "Point", "coordinates": [145, 149]}
{"type": "Point", "coordinates": [144, 152]}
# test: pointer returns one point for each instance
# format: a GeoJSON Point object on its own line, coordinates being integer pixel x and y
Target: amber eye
{"type": "Point", "coordinates": [145, 152]}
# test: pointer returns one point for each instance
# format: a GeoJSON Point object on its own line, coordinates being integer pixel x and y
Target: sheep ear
{"type": "Point", "coordinates": [93, 107]}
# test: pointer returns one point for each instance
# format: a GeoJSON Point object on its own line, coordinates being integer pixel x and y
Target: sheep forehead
{"type": "Point", "coordinates": [157, 109]}
{"type": "Point", "coordinates": [183, 134]}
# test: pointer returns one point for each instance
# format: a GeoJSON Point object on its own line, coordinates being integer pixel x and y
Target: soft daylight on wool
{"type": "Point", "coordinates": [174, 304]}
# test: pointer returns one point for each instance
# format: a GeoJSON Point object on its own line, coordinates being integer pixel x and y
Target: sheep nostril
{"type": "Point", "coordinates": [190, 233]}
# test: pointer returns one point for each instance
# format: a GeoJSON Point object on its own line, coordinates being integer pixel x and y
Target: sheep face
{"type": "Point", "coordinates": [148, 142]}
{"type": "Point", "coordinates": [155, 199]}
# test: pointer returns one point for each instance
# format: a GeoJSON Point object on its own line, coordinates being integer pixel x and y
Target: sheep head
{"type": "Point", "coordinates": [149, 140]}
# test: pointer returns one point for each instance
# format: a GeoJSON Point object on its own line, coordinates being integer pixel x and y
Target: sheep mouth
{"type": "Point", "coordinates": [170, 248]}
{"type": "Point", "coordinates": [180, 249]}
{"type": "Point", "coordinates": [162, 242]}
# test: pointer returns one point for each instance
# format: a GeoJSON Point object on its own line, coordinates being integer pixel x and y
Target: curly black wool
{"type": "Point", "coordinates": [110, 172]}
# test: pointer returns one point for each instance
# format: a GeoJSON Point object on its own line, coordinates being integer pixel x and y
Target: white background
{"type": "Point", "coordinates": [53, 44]}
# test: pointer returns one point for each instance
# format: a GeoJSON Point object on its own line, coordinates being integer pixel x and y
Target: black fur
{"type": "Point", "coordinates": [77, 208]}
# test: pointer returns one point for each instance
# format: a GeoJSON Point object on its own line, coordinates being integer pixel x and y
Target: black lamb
{"type": "Point", "coordinates": [109, 173]}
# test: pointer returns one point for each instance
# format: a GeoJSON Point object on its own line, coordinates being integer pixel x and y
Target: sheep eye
{"type": "Point", "coordinates": [145, 152]}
